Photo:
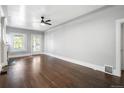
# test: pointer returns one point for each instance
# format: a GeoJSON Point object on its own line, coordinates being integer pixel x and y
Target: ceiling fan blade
{"type": "Point", "coordinates": [48, 23]}
{"type": "Point", "coordinates": [47, 20]}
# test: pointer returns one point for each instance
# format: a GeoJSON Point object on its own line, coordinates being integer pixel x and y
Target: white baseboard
{"type": "Point", "coordinates": [87, 64]}
{"type": "Point", "coordinates": [13, 56]}
{"type": "Point", "coordinates": [95, 67]}
{"type": "Point", "coordinates": [23, 55]}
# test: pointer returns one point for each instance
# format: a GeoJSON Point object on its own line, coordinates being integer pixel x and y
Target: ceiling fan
{"type": "Point", "coordinates": [45, 21]}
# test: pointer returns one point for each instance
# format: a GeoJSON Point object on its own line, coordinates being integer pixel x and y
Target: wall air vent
{"type": "Point", "coordinates": [108, 69]}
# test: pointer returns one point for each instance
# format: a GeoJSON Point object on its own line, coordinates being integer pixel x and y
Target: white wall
{"type": "Point", "coordinates": [88, 39]}
{"type": "Point", "coordinates": [28, 33]}
{"type": "Point", "coordinates": [1, 14]}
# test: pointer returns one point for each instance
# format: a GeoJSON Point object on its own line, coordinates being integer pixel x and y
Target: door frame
{"type": "Point", "coordinates": [119, 23]}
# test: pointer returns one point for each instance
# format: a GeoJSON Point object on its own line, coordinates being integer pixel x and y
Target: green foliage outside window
{"type": "Point", "coordinates": [36, 43]}
{"type": "Point", "coordinates": [18, 42]}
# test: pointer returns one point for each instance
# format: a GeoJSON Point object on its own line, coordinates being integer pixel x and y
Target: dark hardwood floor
{"type": "Point", "coordinates": [45, 71]}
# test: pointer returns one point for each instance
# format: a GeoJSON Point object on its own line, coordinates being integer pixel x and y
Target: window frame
{"type": "Point", "coordinates": [12, 42]}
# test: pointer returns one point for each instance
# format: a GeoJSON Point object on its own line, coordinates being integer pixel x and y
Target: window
{"type": "Point", "coordinates": [36, 43]}
{"type": "Point", "coordinates": [18, 41]}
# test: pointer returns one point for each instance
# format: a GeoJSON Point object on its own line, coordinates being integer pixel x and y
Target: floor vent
{"type": "Point", "coordinates": [108, 69]}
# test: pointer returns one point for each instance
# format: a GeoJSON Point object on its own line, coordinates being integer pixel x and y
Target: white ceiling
{"type": "Point", "coordinates": [29, 16]}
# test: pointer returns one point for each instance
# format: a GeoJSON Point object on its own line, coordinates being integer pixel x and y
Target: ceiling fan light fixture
{"type": "Point", "coordinates": [42, 24]}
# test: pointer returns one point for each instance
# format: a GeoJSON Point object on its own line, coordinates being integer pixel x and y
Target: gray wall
{"type": "Point", "coordinates": [28, 33]}
{"type": "Point", "coordinates": [88, 39]}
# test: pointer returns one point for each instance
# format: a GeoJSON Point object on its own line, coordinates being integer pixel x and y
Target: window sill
{"type": "Point", "coordinates": [24, 50]}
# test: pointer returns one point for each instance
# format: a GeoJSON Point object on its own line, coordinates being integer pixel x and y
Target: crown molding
{"type": "Point", "coordinates": [69, 21]}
